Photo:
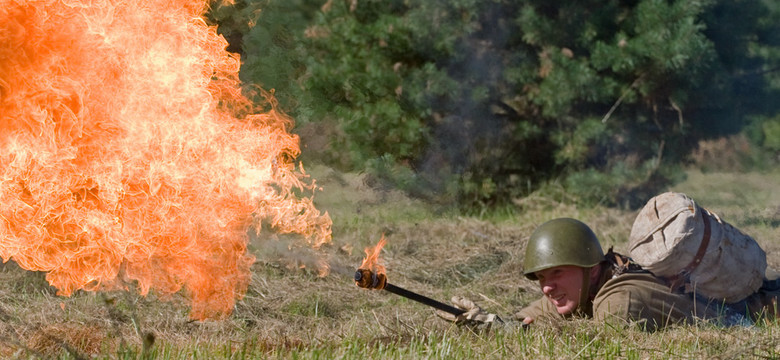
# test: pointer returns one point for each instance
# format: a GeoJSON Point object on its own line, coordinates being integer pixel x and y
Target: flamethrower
{"type": "Point", "coordinates": [367, 279]}
{"type": "Point", "coordinates": [371, 275]}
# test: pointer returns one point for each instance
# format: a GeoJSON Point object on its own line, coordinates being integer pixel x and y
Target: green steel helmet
{"type": "Point", "coordinates": [559, 242]}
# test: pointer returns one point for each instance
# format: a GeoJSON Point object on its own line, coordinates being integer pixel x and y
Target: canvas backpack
{"type": "Point", "coordinates": [695, 250]}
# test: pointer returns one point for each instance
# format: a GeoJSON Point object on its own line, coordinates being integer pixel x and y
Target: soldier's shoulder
{"type": "Point", "coordinates": [633, 297]}
{"type": "Point", "coordinates": [630, 289]}
{"type": "Point", "coordinates": [639, 280]}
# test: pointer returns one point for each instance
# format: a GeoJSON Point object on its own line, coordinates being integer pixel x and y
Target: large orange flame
{"type": "Point", "coordinates": [128, 154]}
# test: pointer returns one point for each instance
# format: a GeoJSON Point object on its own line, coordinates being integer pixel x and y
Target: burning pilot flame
{"type": "Point", "coordinates": [372, 261]}
{"type": "Point", "coordinates": [372, 274]}
{"type": "Point", "coordinates": [129, 156]}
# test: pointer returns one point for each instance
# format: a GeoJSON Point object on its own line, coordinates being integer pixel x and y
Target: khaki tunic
{"type": "Point", "coordinates": [643, 299]}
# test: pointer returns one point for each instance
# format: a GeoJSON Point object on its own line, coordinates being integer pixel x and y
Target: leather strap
{"type": "Point", "coordinates": [678, 280]}
{"type": "Point", "coordinates": [705, 241]}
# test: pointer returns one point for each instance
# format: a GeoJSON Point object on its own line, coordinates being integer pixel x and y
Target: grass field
{"type": "Point", "coordinates": [291, 312]}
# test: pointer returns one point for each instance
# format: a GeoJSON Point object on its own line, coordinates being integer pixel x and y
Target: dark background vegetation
{"type": "Point", "coordinates": [481, 102]}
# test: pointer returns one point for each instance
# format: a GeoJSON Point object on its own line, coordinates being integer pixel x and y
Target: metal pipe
{"type": "Point", "coordinates": [423, 299]}
{"type": "Point", "coordinates": [369, 280]}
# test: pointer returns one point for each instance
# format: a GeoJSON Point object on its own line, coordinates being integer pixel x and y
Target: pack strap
{"type": "Point", "coordinates": [677, 281]}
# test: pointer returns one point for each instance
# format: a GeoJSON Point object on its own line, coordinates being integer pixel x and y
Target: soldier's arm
{"type": "Point", "coordinates": [540, 309]}
{"type": "Point", "coordinates": [613, 305]}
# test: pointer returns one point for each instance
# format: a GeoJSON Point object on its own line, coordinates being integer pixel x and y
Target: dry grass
{"type": "Point", "coordinates": [289, 312]}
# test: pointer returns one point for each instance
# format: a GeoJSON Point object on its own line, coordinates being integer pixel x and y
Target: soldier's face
{"type": "Point", "coordinates": [562, 286]}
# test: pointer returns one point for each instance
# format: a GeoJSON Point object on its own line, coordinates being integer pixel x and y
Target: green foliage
{"type": "Point", "coordinates": [479, 102]}
{"type": "Point", "coordinates": [267, 35]}
{"type": "Point", "coordinates": [625, 185]}
{"type": "Point", "coordinates": [771, 131]}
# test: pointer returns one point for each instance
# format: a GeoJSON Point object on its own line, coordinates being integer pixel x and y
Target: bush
{"type": "Point", "coordinates": [479, 102]}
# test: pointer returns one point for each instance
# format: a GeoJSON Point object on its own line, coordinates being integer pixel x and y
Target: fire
{"type": "Point", "coordinates": [371, 274]}
{"type": "Point", "coordinates": [372, 261]}
{"type": "Point", "coordinates": [130, 157]}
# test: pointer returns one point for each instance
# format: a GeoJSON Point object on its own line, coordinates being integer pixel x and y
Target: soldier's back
{"type": "Point", "coordinates": [648, 301]}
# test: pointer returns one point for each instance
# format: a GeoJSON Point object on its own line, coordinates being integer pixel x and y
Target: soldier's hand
{"type": "Point", "coordinates": [472, 316]}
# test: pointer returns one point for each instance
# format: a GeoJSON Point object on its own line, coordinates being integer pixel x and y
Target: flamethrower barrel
{"type": "Point", "coordinates": [423, 299]}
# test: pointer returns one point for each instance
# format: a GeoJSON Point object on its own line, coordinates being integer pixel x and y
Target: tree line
{"type": "Point", "coordinates": [479, 102]}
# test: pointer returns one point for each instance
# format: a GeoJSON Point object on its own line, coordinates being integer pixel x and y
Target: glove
{"type": "Point", "coordinates": [473, 315]}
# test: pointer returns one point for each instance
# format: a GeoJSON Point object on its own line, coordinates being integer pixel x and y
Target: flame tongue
{"type": "Point", "coordinates": [372, 261]}
{"type": "Point", "coordinates": [371, 274]}
{"type": "Point", "coordinates": [125, 154]}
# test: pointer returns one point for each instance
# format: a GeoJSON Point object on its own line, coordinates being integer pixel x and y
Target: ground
{"type": "Point", "coordinates": [291, 311]}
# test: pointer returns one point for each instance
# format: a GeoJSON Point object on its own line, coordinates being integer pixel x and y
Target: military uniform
{"type": "Point", "coordinates": [626, 293]}
{"type": "Point", "coordinates": [622, 291]}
